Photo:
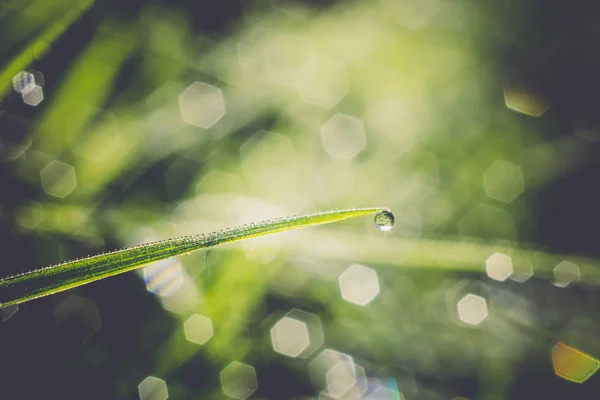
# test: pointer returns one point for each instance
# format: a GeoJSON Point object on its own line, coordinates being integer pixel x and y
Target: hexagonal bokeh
{"type": "Point", "coordinates": [461, 289]}
{"type": "Point", "coordinates": [58, 179]}
{"type": "Point", "coordinates": [153, 388]}
{"type": "Point", "coordinates": [185, 299]}
{"type": "Point", "coordinates": [289, 337]}
{"type": "Point", "coordinates": [198, 329]}
{"type": "Point", "coordinates": [359, 284]}
{"type": "Point", "coordinates": [23, 82]}
{"type": "Point", "coordinates": [38, 77]}
{"type": "Point", "coordinates": [582, 333]}
{"type": "Point", "coordinates": [8, 312]}
{"type": "Point", "coordinates": [503, 181]}
{"type": "Point", "coordinates": [588, 133]}
{"type": "Point", "coordinates": [525, 100]}
{"type": "Point", "coordinates": [499, 266]}
{"type": "Point", "coordinates": [566, 274]}
{"type": "Point", "coordinates": [322, 82]}
{"type": "Point", "coordinates": [238, 380]}
{"type": "Point", "coordinates": [332, 373]}
{"type": "Point", "coordinates": [572, 364]}
{"type": "Point", "coordinates": [33, 96]}
{"type": "Point", "coordinates": [163, 277]}
{"type": "Point", "coordinates": [384, 393]}
{"type": "Point", "coordinates": [314, 328]}
{"type": "Point", "coordinates": [343, 136]}
{"type": "Point", "coordinates": [80, 316]}
{"type": "Point", "coordinates": [202, 105]}
{"type": "Point", "coordinates": [472, 309]}
{"type": "Point", "coordinates": [30, 216]}
{"type": "Point", "coordinates": [340, 378]}
{"type": "Point", "coordinates": [585, 126]}
{"type": "Point", "coordinates": [522, 270]}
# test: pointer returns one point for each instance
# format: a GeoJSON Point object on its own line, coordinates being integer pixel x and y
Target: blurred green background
{"type": "Point", "coordinates": [476, 122]}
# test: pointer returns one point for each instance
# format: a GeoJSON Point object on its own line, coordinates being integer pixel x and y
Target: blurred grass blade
{"type": "Point", "coordinates": [55, 29]}
{"type": "Point", "coordinates": [33, 284]}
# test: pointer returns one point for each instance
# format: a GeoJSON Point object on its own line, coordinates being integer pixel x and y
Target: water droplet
{"type": "Point", "coordinates": [384, 220]}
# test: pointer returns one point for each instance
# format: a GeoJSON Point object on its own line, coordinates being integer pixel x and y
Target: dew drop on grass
{"type": "Point", "coordinates": [384, 221]}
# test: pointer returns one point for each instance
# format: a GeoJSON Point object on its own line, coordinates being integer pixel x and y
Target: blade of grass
{"type": "Point", "coordinates": [45, 281]}
{"type": "Point", "coordinates": [443, 254]}
{"type": "Point", "coordinates": [48, 36]}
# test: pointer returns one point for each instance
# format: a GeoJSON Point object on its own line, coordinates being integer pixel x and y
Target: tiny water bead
{"type": "Point", "coordinates": [59, 277]}
{"type": "Point", "coordinates": [384, 220]}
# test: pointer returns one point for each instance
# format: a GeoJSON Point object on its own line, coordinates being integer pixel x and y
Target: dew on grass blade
{"type": "Point", "coordinates": [384, 221]}
{"type": "Point", "coordinates": [49, 280]}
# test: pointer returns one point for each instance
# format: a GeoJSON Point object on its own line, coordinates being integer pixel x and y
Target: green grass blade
{"type": "Point", "coordinates": [42, 282]}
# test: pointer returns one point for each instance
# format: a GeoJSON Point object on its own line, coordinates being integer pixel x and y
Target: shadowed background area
{"type": "Point", "coordinates": [475, 122]}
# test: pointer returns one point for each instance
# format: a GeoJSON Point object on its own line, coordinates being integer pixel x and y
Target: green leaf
{"type": "Point", "coordinates": [42, 282]}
